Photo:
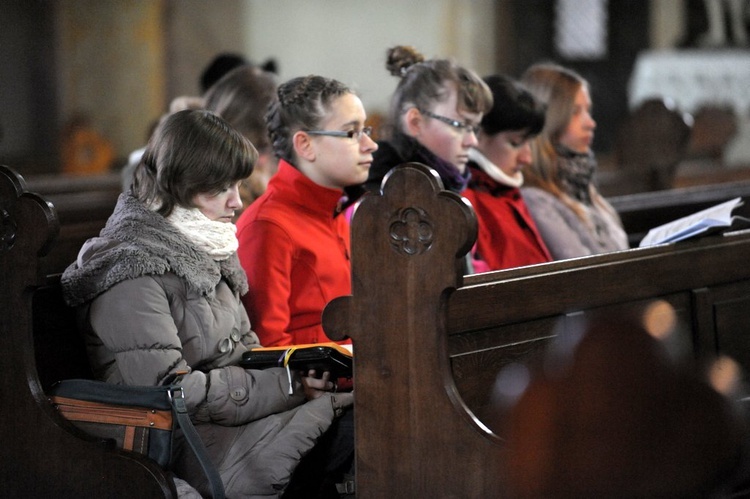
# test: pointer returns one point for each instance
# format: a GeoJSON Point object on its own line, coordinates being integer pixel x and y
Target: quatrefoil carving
{"type": "Point", "coordinates": [411, 231]}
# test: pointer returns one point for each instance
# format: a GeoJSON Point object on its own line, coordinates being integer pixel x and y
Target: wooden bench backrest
{"type": "Point", "coordinates": [42, 454]}
{"type": "Point", "coordinates": [415, 437]}
{"type": "Point", "coordinates": [650, 144]}
{"type": "Point", "coordinates": [429, 342]}
{"type": "Point", "coordinates": [83, 205]}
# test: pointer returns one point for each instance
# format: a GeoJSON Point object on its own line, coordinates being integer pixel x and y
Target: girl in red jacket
{"type": "Point", "coordinates": [508, 236]}
{"type": "Point", "coordinates": [293, 246]}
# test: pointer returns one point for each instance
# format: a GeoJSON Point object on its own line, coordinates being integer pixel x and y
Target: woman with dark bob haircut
{"type": "Point", "coordinates": [508, 236]}
{"type": "Point", "coordinates": [158, 295]}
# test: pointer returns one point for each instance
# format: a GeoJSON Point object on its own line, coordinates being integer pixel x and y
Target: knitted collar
{"type": "Point", "coordinates": [218, 239]}
{"type": "Point", "coordinates": [137, 242]}
{"type": "Point", "coordinates": [494, 171]}
{"type": "Point", "coordinates": [576, 172]}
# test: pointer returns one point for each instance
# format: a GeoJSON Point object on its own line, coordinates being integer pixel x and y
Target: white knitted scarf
{"type": "Point", "coordinates": [494, 171]}
{"type": "Point", "coordinates": [218, 239]}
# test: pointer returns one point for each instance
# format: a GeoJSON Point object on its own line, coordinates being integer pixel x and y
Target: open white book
{"type": "Point", "coordinates": [714, 219]}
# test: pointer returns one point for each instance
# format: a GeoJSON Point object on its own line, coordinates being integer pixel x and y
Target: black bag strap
{"type": "Point", "coordinates": [177, 397]}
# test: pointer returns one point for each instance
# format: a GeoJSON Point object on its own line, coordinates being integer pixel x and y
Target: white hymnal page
{"type": "Point", "coordinates": [716, 217]}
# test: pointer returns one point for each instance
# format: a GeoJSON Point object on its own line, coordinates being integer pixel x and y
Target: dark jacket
{"type": "Point", "coordinates": [404, 149]}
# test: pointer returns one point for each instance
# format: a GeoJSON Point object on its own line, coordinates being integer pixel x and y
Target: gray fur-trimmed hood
{"type": "Point", "coordinates": [136, 242]}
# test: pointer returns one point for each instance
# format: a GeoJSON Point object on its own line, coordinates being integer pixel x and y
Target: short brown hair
{"type": "Point", "coordinates": [191, 152]}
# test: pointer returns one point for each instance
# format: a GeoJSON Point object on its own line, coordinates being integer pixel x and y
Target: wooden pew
{"type": "Point", "coordinates": [42, 454]}
{"type": "Point", "coordinates": [430, 342]}
{"type": "Point", "coordinates": [83, 205]}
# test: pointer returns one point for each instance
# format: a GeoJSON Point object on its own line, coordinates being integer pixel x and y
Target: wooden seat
{"type": "Point", "coordinates": [83, 205]}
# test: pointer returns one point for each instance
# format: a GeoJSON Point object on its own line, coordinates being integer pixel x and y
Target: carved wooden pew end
{"type": "Point", "coordinates": [429, 343]}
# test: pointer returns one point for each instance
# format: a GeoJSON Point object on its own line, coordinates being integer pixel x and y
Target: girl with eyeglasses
{"type": "Point", "coordinates": [434, 117]}
{"type": "Point", "coordinates": [573, 218]}
{"type": "Point", "coordinates": [293, 246]}
{"type": "Point", "coordinates": [294, 243]}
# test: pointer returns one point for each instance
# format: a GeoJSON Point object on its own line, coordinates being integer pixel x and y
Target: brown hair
{"type": "Point", "coordinates": [425, 82]}
{"type": "Point", "coordinates": [242, 97]}
{"type": "Point", "coordinates": [191, 152]}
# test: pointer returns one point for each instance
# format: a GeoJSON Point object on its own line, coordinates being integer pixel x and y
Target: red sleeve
{"type": "Point", "coordinates": [266, 253]}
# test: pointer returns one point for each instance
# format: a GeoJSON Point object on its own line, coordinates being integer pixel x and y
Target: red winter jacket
{"type": "Point", "coordinates": [296, 255]}
{"type": "Point", "coordinates": [507, 235]}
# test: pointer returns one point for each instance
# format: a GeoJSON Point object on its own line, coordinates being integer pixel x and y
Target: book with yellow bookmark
{"type": "Point", "coordinates": [332, 357]}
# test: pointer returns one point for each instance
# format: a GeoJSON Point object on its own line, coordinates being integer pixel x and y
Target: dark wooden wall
{"type": "Point", "coordinates": [525, 35]}
{"type": "Point", "coordinates": [28, 93]}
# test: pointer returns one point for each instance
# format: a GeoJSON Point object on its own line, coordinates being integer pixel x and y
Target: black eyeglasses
{"type": "Point", "coordinates": [464, 127]}
{"type": "Point", "coordinates": [351, 134]}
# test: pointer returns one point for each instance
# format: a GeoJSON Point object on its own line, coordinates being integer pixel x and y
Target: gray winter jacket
{"type": "Point", "coordinates": [566, 235]}
{"type": "Point", "coordinates": [151, 305]}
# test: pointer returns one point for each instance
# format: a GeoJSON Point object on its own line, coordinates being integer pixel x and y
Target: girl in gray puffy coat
{"type": "Point", "coordinates": [158, 294]}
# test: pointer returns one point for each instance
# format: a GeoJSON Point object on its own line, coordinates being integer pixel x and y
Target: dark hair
{"type": "Point", "coordinates": [513, 108]}
{"type": "Point", "coordinates": [301, 104]}
{"type": "Point", "coordinates": [218, 67]}
{"type": "Point", "coordinates": [242, 97]}
{"type": "Point", "coordinates": [191, 152]}
{"type": "Point", "coordinates": [425, 82]}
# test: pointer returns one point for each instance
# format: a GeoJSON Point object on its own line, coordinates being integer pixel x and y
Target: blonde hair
{"type": "Point", "coordinates": [556, 86]}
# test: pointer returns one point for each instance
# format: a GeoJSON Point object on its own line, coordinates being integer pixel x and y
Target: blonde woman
{"type": "Point", "coordinates": [572, 217]}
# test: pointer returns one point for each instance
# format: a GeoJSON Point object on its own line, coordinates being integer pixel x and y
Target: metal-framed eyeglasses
{"type": "Point", "coordinates": [350, 134]}
{"type": "Point", "coordinates": [458, 125]}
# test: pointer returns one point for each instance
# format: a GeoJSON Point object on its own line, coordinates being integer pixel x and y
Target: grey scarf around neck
{"type": "Point", "coordinates": [576, 173]}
